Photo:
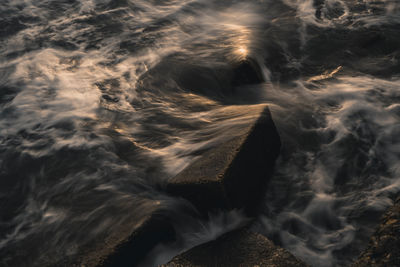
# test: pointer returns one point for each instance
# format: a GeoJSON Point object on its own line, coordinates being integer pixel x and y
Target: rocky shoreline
{"type": "Point", "coordinates": [234, 176]}
{"type": "Point", "coordinates": [384, 246]}
{"type": "Point", "coordinates": [237, 248]}
{"type": "Point", "coordinates": [243, 248]}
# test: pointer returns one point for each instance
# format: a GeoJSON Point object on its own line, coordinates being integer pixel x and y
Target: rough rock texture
{"type": "Point", "coordinates": [239, 248]}
{"type": "Point", "coordinates": [130, 247]}
{"type": "Point", "coordinates": [234, 174]}
{"type": "Point", "coordinates": [384, 247]}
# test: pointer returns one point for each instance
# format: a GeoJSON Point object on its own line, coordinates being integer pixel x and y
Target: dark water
{"type": "Point", "coordinates": [102, 101]}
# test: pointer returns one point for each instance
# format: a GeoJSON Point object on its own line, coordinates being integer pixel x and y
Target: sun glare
{"type": "Point", "coordinates": [242, 51]}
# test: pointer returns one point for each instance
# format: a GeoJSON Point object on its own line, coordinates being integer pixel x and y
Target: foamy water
{"type": "Point", "coordinates": [102, 101]}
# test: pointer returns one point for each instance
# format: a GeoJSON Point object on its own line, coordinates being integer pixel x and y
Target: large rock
{"type": "Point", "coordinates": [247, 72]}
{"type": "Point", "coordinates": [239, 248]}
{"type": "Point", "coordinates": [130, 247]}
{"type": "Point", "coordinates": [234, 174]}
{"type": "Point", "coordinates": [216, 79]}
{"type": "Point", "coordinates": [384, 247]}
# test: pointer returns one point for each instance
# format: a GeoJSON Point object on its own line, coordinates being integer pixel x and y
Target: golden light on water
{"type": "Point", "coordinates": [325, 75]}
{"type": "Point", "coordinates": [235, 31]}
{"type": "Point", "coordinates": [242, 51]}
{"type": "Point", "coordinates": [240, 37]}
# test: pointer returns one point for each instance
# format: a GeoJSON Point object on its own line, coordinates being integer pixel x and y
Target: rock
{"type": "Point", "coordinates": [238, 248]}
{"type": "Point", "coordinates": [231, 175]}
{"type": "Point", "coordinates": [234, 174]}
{"type": "Point", "coordinates": [152, 231]}
{"type": "Point", "coordinates": [247, 72]}
{"type": "Point", "coordinates": [132, 247]}
{"type": "Point", "coordinates": [217, 79]}
{"type": "Point", "coordinates": [384, 247]}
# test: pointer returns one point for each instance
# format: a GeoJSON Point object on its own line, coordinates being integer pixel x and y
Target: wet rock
{"type": "Point", "coordinates": [234, 174]}
{"type": "Point", "coordinates": [131, 247]}
{"type": "Point", "coordinates": [384, 247]}
{"type": "Point", "coordinates": [209, 81]}
{"type": "Point", "coordinates": [238, 248]}
{"type": "Point", "coordinates": [218, 79]}
{"type": "Point", "coordinates": [247, 72]}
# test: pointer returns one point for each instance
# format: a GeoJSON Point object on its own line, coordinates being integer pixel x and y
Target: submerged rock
{"type": "Point", "coordinates": [384, 247]}
{"type": "Point", "coordinates": [218, 80]}
{"type": "Point", "coordinates": [247, 72]}
{"type": "Point", "coordinates": [234, 174]}
{"type": "Point", "coordinates": [238, 248]}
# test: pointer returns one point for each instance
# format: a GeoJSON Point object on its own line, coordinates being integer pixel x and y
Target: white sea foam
{"type": "Point", "coordinates": [105, 100]}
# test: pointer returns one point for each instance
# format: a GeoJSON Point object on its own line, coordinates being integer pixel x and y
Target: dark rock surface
{"type": "Point", "coordinates": [384, 247]}
{"type": "Point", "coordinates": [247, 72]}
{"type": "Point", "coordinates": [218, 80]}
{"type": "Point", "coordinates": [238, 248]}
{"type": "Point", "coordinates": [129, 248]}
{"type": "Point", "coordinates": [234, 174]}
